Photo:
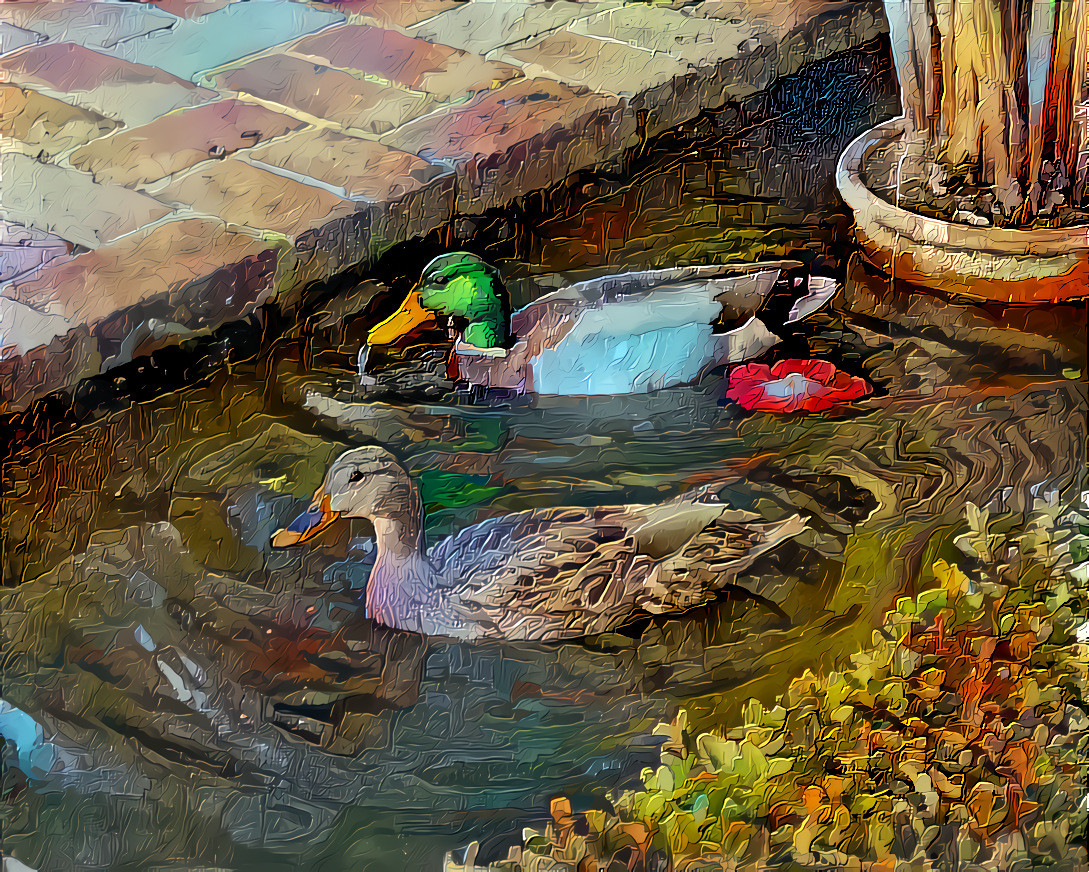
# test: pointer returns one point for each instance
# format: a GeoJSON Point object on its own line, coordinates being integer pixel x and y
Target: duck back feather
{"type": "Point", "coordinates": [563, 573]}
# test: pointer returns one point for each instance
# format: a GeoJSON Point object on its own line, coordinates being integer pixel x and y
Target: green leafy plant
{"type": "Point", "coordinates": [954, 737]}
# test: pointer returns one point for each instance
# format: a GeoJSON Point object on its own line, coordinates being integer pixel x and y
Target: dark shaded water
{"type": "Point", "coordinates": [211, 703]}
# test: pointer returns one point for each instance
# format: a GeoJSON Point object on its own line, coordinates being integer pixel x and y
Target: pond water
{"type": "Point", "coordinates": [206, 702]}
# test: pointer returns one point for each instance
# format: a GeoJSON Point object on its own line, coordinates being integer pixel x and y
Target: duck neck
{"type": "Point", "coordinates": [397, 537]}
{"type": "Point", "coordinates": [401, 581]}
{"type": "Point", "coordinates": [487, 332]}
{"type": "Point", "coordinates": [481, 303]}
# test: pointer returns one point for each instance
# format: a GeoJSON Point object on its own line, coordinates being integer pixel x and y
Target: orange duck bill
{"type": "Point", "coordinates": [308, 525]}
{"type": "Point", "coordinates": [402, 322]}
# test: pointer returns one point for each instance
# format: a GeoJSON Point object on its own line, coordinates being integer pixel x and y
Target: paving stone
{"type": "Point", "coordinates": [91, 24]}
{"type": "Point", "coordinates": [784, 40]}
{"type": "Point", "coordinates": [406, 195]}
{"type": "Point", "coordinates": [788, 13]}
{"type": "Point", "coordinates": [691, 39]}
{"type": "Point", "coordinates": [24, 249]}
{"type": "Point", "coordinates": [493, 122]}
{"type": "Point", "coordinates": [812, 29]}
{"type": "Point", "coordinates": [800, 30]}
{"type": "Point", "coordinates": [246, 195]}
{"type": "Point", "coordinates": [68, 203]}
{"type": "Point", "coordinates": [39, 353]}
{"type": "Point", "coordinates": [13, 38]}
{"type": "Point", "coordinates": [163, 262]}
{"type": "Point", "coordinates": [23, 328]}
{"type": "Point", "coordinates": [393, 13]}
{"type": "Point", "coordinates": [115, 88]}
{"type": "Point", "coordinates": [447, 136]}
{"type": "Point", "coordinates": [444, 72]}
{"type": "Point", "coordinates": [484, 25]}
{"type": "Point", "coordinates": [194, 46]}
{"type": "Point", "coordinates": [180, 140]}
{"type": "Point", "coordinates": [323, 92]}
{"type": "Point", "coordinates": [190, 8]}
{"type": "Point", "coordinates": [48, 125]}
{"type": "Point", "coordinates": [196, 273]}
{"type": "Point", "coordinates": [602, 65]}
{"type": "Point", "coordinates": [523, 136]}
{"type": "Point", "coordinates": [364, 169]}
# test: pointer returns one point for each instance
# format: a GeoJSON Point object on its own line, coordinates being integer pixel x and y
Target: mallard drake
{"type": "Point", "coordinates": [622, 334]}
{"type": "Point", "coordinates": [545, 574]}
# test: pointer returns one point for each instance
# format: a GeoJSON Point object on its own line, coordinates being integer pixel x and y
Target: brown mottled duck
{"type": "Point", "coordinates": [544, 575]}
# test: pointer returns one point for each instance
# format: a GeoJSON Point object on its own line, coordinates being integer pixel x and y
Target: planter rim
{"type": "Point", "coordinates": [935, 231]}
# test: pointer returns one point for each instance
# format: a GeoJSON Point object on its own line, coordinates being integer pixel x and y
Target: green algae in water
{"type": "Point", "coordinates": [450, 490]}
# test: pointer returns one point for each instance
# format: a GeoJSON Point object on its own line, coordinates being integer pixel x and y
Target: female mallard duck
{"type": "Point", "coordinates": [623, 334]}
{"type": "Point", "coordinates": [546, 574]}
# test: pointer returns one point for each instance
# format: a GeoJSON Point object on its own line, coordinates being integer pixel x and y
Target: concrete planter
{"type": "Point", "coordinates": [969, 257]}
{"type": "Point", "coordinates": [988, 263]}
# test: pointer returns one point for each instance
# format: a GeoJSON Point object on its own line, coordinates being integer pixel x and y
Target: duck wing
{"type": "Point", "coordinates": [546, 574]}
{"type": "Point", "coordinates": [742, 287]}
{"type": "Point", "coordinates": [629, 333]}
{"type": "Point", "coordinates": [643, 331]}
{"type": "Point", "coordinates": [564, 573]}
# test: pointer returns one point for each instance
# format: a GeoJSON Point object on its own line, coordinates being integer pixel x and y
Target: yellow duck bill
{"type": "Point", "coordinates": [308, 525]}
{"type": "Point", "coordinates": [402, 322]}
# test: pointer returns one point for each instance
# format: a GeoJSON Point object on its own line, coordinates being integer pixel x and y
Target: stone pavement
{"type": "Point", "coordinates": [192, 160]}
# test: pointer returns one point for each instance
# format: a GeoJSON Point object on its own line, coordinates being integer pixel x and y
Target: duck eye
{"type": "Point", "coordinates": [355, 476]}
{"type": "Point", "coordinates": [440, 280]}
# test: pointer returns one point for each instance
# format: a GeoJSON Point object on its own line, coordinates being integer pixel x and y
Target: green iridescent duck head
{"type": "Point", "coordinates": [458, 285]}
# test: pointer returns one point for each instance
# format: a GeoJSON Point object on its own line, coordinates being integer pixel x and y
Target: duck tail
{"type": "Point", "coordinates": [763, 538]}
{"type": "Point", "coordinates": [797, 295]}
{"type": "Point", "coordinates": [821, 289]}
{"type": "Point", "coordinates": [778, 532]}
{"type": "Point", "coordinates": [688, 579]}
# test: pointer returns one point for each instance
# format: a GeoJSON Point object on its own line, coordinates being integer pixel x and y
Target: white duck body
{"type": "Point", "coordinates": [634, 333]}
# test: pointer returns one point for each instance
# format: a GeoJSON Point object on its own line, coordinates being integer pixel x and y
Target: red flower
{"type": "Point", "coordinates": [793, 386]}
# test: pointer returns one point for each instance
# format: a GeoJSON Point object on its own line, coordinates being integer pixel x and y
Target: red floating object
{"type": "Point", "coordinates": [793, 386]}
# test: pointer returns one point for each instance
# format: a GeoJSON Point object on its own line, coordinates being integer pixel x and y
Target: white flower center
{"type": "Point", "coordinates": [794, 385]}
